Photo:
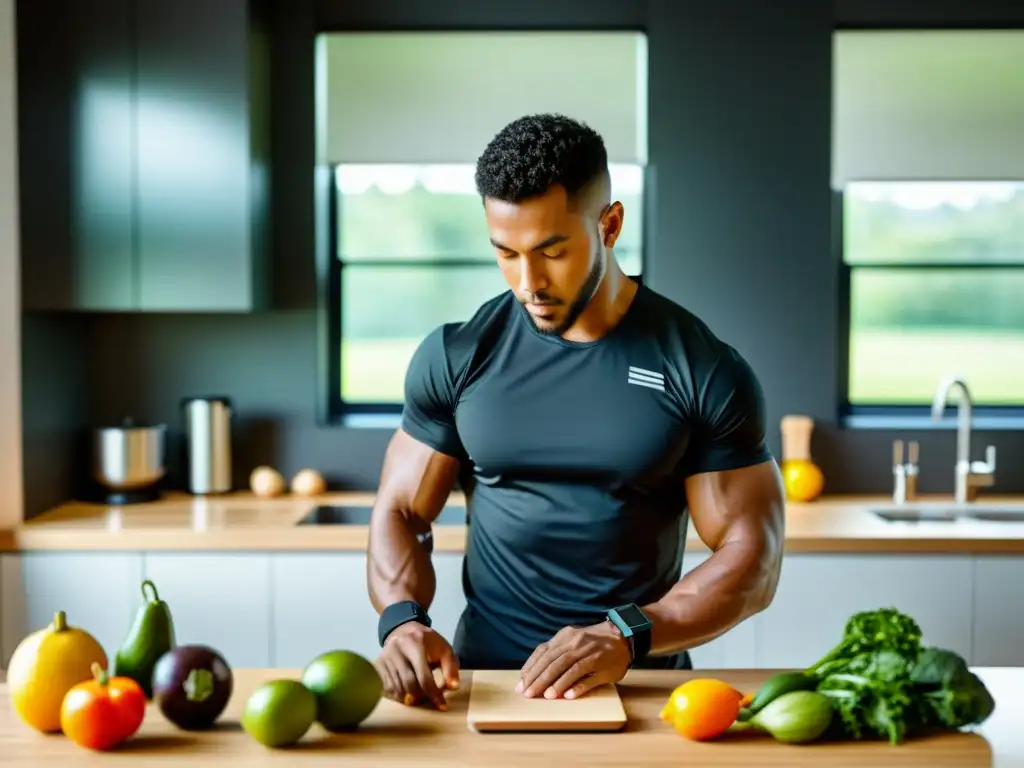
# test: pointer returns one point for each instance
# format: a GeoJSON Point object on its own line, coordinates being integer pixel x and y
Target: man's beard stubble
{"type": "Point", "coordinates": [579, 303]}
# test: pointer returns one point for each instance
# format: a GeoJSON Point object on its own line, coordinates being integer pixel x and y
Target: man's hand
{"type": "Point", "coordinates": [407, 662]}
{"type": "Point", "coordinates": [576, 660]}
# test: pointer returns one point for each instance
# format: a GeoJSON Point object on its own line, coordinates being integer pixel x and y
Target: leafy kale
{"type": "Point", "coordinates": [872, 694]}
{"type": "Point", "coordinates": [869, 631]}
{"type": "Point", "coordinates": [884, 684]}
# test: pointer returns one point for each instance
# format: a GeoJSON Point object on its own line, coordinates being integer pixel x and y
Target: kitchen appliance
{"type": "Point", "coordinates": [495, 706]}
{"type": "Point", "coordinates": [208, 444]}
{"type": "Point", "coordinates": [129, 461]}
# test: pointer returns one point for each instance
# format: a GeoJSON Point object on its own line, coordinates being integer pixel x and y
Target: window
{"type": "Point", "coordinates": [411, 252]}
{"type": "Point", "coordinates": [928, 166]}
{"type": "Point", "coordinates": [401, 119]}
{"type": "Point", "coordinates": [935, 273]}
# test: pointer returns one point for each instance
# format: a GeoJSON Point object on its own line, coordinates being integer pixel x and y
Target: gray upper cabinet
{"type": "Point", "coordinates": [144, 155]}
{"type": "Point", "coordinates": [75, 154]}
{"type": "Point", "coordinates": [201, 155]}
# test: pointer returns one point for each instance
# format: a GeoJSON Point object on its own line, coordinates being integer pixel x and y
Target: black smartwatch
{"type": "Point", "coordinates": [634, 626]}
{"type": "Point", "coordinates": [397, 614]}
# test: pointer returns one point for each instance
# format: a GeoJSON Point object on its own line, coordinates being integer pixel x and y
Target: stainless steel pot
{"type": "Point", "coordinates": [129, 456]}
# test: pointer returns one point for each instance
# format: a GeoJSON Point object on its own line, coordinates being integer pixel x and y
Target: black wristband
{"type": "Point", "coordinates": [635, 626]}
{"type": "Point", "coordinates": [397, 614]}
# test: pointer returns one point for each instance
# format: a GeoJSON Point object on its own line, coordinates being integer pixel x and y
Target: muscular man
{"type": "Point", "coordinates": [588, 419]}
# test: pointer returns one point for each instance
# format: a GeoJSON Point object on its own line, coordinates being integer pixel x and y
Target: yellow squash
{"type": "Point", "coordinates": [45, 666]}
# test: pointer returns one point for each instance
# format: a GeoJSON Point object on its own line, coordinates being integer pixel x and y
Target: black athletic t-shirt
{"type": "Point", "coordinates": [574, 456]}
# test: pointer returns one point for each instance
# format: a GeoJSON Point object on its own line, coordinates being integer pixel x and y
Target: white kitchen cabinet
{"type": "Point", "coordinates": [998, 620]}
{"type": "Point", "coordinates": [282, 609]}
{"type": "Point", "coordinates": [733, 650]}
{"type": "Point", "coordinates": [217, 599]}
{"type": "Point", "coordinates": [319, 602]}
{"type": "Point", "coordinates": [98, 591]}
{"type": "Point", "coordinates": [10, 604]}
{"type": "Point", "coordinates": [449, 599]}
{"type": "Point", "coordinates": [818, 593]}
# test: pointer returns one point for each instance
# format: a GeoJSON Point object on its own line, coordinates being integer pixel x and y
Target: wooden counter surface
{"type": "Point", "coordinates": [242, 522]}
{"type": "Point", "coordinates": [397, 735]}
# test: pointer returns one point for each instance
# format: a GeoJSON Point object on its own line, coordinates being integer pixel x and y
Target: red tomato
{"type": "Point", "coordinates": [103, 712]}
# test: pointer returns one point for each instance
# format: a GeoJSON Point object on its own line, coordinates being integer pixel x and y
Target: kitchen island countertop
{"type": "Point", "coordinates": [243, 522]}
{"type": "Point", "coordinates": [397, 735]}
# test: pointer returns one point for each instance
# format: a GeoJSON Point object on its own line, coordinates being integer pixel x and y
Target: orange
{"type": "Point", "coordinates": [45, 666]}
{"type": "Point", "coordinates": [702, 709]}
{"type": "Point", "coordinates": [802, 479]}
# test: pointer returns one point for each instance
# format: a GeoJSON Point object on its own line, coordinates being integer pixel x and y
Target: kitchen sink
{"type": "Point", "coordinates": [336, 514]}
{"type": "Point", "coordinates": [994, 515]}
{"type": "Point", "coordinates": [915, 513]}
{"type": "Point", "coordinates": [339, 514]}
{"type": "Point", "coordinates": [911, 514]}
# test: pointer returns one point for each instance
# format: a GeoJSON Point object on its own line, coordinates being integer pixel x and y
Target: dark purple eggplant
{"type": "Point", "coordinates": [191, 686]}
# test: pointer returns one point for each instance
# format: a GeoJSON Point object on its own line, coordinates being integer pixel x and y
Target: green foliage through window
{"type": "Point", "coordinates": [414, 250]}
{"type": "Point", "coordinates": [937, 287]}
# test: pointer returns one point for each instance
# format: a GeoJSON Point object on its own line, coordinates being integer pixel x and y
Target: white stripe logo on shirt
{"type": "Point", "coordinates": [645, 378]}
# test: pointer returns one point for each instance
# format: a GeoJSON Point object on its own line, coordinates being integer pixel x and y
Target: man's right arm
{"type": "Point", "coordinates": [415, 484]}
{"type": "Point", "coordinates": [420, 469]}
{"type": "Point", "coordinates": [419, 472]}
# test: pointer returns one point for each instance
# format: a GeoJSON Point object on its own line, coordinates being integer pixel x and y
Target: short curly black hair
{"type": "Point", "coordinates": [535, 152]}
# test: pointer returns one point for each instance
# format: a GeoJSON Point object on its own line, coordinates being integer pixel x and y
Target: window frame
{"type": "Point", "coordinates": [334, 409]}
{"type": "Point", "coordinates": [340, 410]}
{"type": "Point", "coordinates": [893, 415]}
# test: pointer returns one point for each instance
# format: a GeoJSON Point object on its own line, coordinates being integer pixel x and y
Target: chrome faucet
{"type": "Point", "coordinates": [904, 472]}
{"type": "Point", "coordinates": [969, 476]}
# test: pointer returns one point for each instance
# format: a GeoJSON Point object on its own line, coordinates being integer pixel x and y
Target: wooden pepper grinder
{"type": "Point", "coordinates": [801, 477]}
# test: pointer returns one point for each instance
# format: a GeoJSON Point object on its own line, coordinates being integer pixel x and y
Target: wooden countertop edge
{"type": "Point", "coordinates": [185, 523]}
{"type": "Point", "coordinates": [447, 539]}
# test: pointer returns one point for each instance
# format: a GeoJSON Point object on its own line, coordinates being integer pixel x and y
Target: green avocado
{"type": "Point", "coordinates": [150, 637]}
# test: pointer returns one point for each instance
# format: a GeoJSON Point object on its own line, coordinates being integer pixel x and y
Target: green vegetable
{"type": "Point", "coordinates": [949, 694]}
{"type": "Point", "coordinates": [885, 629]}
{"type": "Point", "coordinates": [872, 695]}
{"type": "Point", "coordinates": [795, 717]}
{"type": "Point", "coordinates": [779, 684]}
{"type": "Point", "coordinates": [884, 684]}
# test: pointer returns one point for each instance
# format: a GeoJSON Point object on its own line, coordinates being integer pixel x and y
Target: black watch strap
{"type": "Point", "coordinates": [635, 626]}
{"type": "Point", "coordinates": [641, 643]}
{"type": "Point", "coordinates": [397, 614]}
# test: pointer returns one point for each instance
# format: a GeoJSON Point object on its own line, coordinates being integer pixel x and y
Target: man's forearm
{"type": "Point", "coordinates": [736, 582]}
{"type": "Point", "coordinates": [398, 567]}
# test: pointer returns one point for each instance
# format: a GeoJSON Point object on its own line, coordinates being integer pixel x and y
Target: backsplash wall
{"type": "Point", "coordinates": [142, 366]}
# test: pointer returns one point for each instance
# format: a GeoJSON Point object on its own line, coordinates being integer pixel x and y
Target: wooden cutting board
{"type": "Point", "coordinates": [494, 706]}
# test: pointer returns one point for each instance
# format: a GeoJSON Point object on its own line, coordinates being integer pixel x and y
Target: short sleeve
{"type": "Point", "coordinates": [731, 419]}
{"type": "Point", "coordinates": [428, 413]}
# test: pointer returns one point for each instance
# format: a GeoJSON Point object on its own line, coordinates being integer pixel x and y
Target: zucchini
{"type": "Point", "coordinates": [777, 685]}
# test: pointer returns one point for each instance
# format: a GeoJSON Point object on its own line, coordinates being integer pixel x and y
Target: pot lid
{"type": "Point", "coordinates": [224, 399]}
{"type": "Point", "coordinates": [129, 423]}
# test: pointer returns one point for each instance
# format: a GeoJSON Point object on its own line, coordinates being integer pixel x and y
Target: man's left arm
{"type": "Point", "coordinates": [737, 506]}
{"type": "Point", "coordinates": [740, 516]}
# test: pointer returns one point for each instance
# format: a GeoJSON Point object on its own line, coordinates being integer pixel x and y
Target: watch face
{"type": "Point", "coordinates": [632, 615]}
